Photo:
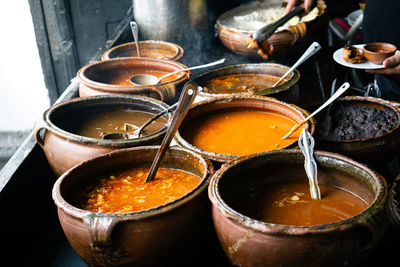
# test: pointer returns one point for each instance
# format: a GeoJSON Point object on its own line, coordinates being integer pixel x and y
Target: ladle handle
{"type": "Point", "coordinates": [135, 33]}
{"type": "Point", "coordinates": [314, 48]}
{"type": "Point", "coordinates": [188, 94]}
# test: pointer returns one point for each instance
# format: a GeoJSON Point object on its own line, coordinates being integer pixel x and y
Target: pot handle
{"type": "Point", "coordinates": [100, 229]}
{"type": "Point", "coordinates": [37, 130]}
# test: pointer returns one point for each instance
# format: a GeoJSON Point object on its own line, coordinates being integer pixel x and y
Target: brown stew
{"type": "Point", "coordinates": [128, 192]}
{"type": "Point", "coordinates": [291, 204]}
{"type": "Point", "coordinates": [239, 132]}
{"type": "Point", "coordinates": [240, 83]}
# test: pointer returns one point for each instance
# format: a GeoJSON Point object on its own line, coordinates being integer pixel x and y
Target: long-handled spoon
{"type": "Point", "coordinates": [135, 33]}
{"type": "Point", "coordinates": [338, 93]}
{"type": "Point", "coordinates": [188, 94]}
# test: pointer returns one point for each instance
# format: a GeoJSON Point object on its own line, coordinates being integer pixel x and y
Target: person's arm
{"type": "Point", "coordinates": [392, 67]}
{"type": "Point", "coordinates": [293, 3]}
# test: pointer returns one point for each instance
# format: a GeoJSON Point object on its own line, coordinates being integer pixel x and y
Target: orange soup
{"type": "Point", "coordinates": [239, 132]}
{"type": "Point", "coordinates": [291, 204]}
{"type": "Point", "coordinates": [128, 191]}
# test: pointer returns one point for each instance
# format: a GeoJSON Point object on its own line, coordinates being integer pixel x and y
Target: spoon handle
{"type": "Point", "coordinates": [314, 48]}
{"type": "Point", "coordinates": [188, 94]}
{"type": "Point", "coordinates": [135, 30]}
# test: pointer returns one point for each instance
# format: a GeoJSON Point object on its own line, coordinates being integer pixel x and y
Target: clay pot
{"type": "Point", "coordinates": [64, 149]}
{"type": "Point", "coordinates": [267, 104]}
{"type": "Point", "coordinates": [366, 150]}
{"type": "Point", "coordinates": [150, 48]}
{"type": "Point", "coordinates": [151, 237]}
{"type": "Point", "coordinates": [288, 91]}
{"type": "Point", "coordinates": [249, 242]}
{"type": "Point", "coordinates": [393, 206]}
{"type": "Point", "coordinates": [378, 52]}
{"type": "Point", "coordinates": [99, 78]}
{"type": "Point", "coordinates": [235, 36]}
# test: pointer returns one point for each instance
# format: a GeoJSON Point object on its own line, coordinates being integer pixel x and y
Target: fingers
{"type": "Point", "coordinates": [290, 5]}
{"type": "Point", "coordinates": [392, 61]}
{"type": "Point", "coordinates": [393, 71]}
{"type": "Point", "coordinates": [308, 4]}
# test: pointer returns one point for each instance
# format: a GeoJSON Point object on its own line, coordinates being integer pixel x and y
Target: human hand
{"type": "Point", "coordinates": [392, 67]}
{"type": "Point", "coordinates": [293, 3]}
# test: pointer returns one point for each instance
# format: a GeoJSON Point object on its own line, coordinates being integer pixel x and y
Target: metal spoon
{"type": "Point", "coordinates": [148, 79]}
{"type": "Point", "coordinates": [338, 93]}
{"type": "Point", "coordinates": [135, 33]}
{"type": "Point", "coordinates": [306, 144]}
{"type": "Point", "coordinates": [188, 94]}
{"type": "Point", "coordinates": [314, 48]}
{"type": "Point", "coordinates": [136, 133]}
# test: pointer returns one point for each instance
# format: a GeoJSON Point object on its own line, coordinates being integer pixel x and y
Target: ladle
{"type": "Point", "coordinates": [136, 133]}
{"type": "Point", "coordinates": [338, 93]}
{"type": "Point", "coordinates": [148, 79]}
{"type": "Point", "coordinates": [314, 48]}
{"type": "Point", "coordinates": [188, 94]}
{"type": "Point", "coordinates": [135, 33]}
{"type": "Point", "coordinates": [306, 144]}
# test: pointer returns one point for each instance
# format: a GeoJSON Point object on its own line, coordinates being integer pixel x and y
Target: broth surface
{"type": "Point", "coordinates": [239, 132]}
{"type": "Point", "coordinates": [240, 83]}
{"type": "Point", "coordinates": [128, 192]}
{"type": "Point", "coordinates": [291, 204]}
{"type": "Point", "coordinates": [124, 80]}
{"type": "Point", "coordinates": [96, 125]}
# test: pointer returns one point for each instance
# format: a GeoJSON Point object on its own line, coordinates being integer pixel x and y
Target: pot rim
{"type": "Point", "coordinates": [177, 56]}
{"type": "Point", "coordinates": [218, 157]}
{"type": "Point", "coordinates": [114, 88]}
{"type": "Point", "coordinates": [375, 100]}
{"type": "Point", "coordinates": [50, 126]}
{"type": "Point", "coordinates": [294, 78]}
{"type": "Point", "coordinates": [71, 210]}
{"type": "Point", "coordinates": [244, 221]}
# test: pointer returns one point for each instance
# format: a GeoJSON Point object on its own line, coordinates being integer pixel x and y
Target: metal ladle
{"type": "Point", "coordinates": [136, 133]}
{"type": "Point", "coordinates": [135, 33]}
{"type": "Point", "coordinates": [148, 79]}
{"type": "Point", "coordinates": [188, 94]}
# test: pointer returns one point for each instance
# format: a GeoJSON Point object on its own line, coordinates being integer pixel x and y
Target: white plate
{"type": "Point", "coordinates": [366, 65]}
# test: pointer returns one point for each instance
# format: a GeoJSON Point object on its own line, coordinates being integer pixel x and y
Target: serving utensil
{"type": "Point", "coordinates": [136, 133]}
{"type": "Point", "coordinates": [188, 94]}
{"type": "Point", "coordinates": [306, 143]}
{"type": "Point", "coordinates": [314, 48]}
{"type": "Point", "coordinates": [338, 93]}
{"type": "Point", "coordinates": [135, 33]}
{"type": "Point", "coordinates": [148, 79]}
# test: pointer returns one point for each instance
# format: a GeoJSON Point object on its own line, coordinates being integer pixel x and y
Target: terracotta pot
{"type": "Point", "coordinates": [366, 150]}
{"type": "Point", "coordinates": [378, 52]}
{"type": "Point", "coordinates": [150, 48]}
{"type": "Point", "coordinates": [234, 37]}
{"type": "Point", "coordinates": [151, 237]}
{"type": "Point", "coordinates": [98, 78]}
{"type": "Point", "coordinates": [249, 242]}
{"type": "Point", "coordinates": [64, 149]}
{"type": "Point", "coordinates": [267, 104]}
{"type": "Point", "coordinates": [393, 207]}
{"type": "Point", "coordinates": [288, 91]}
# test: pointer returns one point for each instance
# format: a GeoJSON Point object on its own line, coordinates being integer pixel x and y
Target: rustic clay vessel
{"type": "Point", "coordinates": [249, 242]}
{"type": "Point", "coordinates": [378, 52]}
{"type": "Point", "coordinates": [393, 206]}
{"type": "Point", "coordinates": [151, 237]}
{"type": "Point", "coordinates": [280, 43]}
{"type": "Point", "coordinates": [267, 104]}
{"type": "Point", "coordinates": [98, 78]}
{"type": "Point", "coordinates": [150, 48]}
{"type": "Point", "coordinates": [287, 91]}
{"type": "Point", "coordinates": [64, 149]}
{"type": "Point", "coordinates": [366, 150]}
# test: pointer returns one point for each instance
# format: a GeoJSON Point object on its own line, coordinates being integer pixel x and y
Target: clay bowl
{"type": "Point", "coordinates": [217, 104]}
{"type": "Point", "coordinates": [150, 49]}
{"type": "Point", "coordinates": [249, 242]}
{"type": "Point", "coordinates": [151, 237]}
{"type": "Point", "coordinates": [364, 150]}
{"type": "Point", "coordinates": [112, 77]}
{"type": "Point", "coordinates": [64, 149]}
{"type": "Point", "coordinates": [287, 91]}
{"type": "Point", "coordinates": [378, 52]}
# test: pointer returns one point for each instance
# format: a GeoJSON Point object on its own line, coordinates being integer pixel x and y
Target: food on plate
{"type": "Point", "coordinates": [352, 54]}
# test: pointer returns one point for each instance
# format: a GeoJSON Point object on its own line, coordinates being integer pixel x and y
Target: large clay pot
{"type": "Point", "coordinates": [64, 149]}
{"type": "Point", "coordinates": [158, 236]}
{"type": "Point", "coordinates": [287, 91]}
{"type": "Point", "coordinates": [249, 242]}
{"type": "Point", "coordinates": [263, 103]}
{"type": "Point", "coordinates": [98, 78]}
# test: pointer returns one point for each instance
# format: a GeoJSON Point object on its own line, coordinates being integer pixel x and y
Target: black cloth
{"type": "Point", "coordinates": [381, 23]}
